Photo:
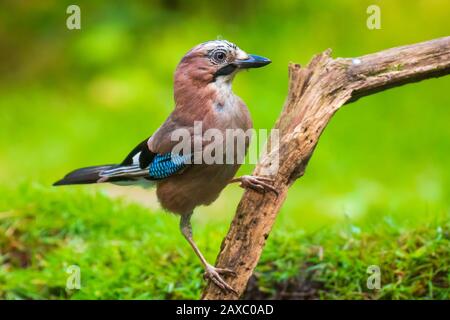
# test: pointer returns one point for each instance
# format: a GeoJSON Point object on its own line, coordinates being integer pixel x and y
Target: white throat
{"type": "Point", "coordinates": [223, 88]}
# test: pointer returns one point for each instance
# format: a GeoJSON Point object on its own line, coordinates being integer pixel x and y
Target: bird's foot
{"type": "Point", "coordinates": [213, 274]}
{"type": "Point", "coordinates": [260, 184]}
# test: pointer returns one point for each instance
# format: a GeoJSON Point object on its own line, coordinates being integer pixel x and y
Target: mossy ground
{"type": "Point", "coordinates": [125, 251]}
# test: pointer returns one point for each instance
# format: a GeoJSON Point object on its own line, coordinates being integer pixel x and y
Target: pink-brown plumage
{"type": "Point", "coordinates": [202, 92]}
{"type": "Point", "coordinates": [198, 98]}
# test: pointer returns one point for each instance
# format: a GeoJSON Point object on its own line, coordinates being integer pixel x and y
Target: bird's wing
{"type": "Point", "coordinates": [152, 159]}
{"type": "Point", "coordinates": [140, 155]}
{"type": "Point", "coordinates": [143, 163]}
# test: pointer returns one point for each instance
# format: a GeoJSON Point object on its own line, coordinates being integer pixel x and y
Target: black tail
{"type": "Point", "coordinates": [84, 175]}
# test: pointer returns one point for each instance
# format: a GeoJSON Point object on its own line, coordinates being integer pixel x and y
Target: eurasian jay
{"type": "Point", "coordinates": [202, 92]}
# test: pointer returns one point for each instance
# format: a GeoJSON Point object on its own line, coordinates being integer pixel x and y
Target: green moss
{"type": "Point", "coordinates": [126, 252]}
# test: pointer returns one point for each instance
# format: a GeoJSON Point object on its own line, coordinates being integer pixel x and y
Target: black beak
{"type": "Point", "coordinates": [253, 61]}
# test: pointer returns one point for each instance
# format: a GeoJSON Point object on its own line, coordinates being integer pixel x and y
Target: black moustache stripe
{"type": "Point", "coordinates": [224, 71]}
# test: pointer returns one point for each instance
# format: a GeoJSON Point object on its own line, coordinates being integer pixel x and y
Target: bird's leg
{"type": "Point", "coordinates": [212, 273]}
{"type": "Point", "coordinates": [260, 184]}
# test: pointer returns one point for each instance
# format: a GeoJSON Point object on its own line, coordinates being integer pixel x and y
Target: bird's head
{"type": "Point", "coordinates": [215, 60]}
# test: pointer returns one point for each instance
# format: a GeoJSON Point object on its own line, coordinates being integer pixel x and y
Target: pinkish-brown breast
{"type": "Point", "coordinates": [198, 98]}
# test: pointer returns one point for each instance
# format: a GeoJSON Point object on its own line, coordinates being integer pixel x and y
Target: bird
{"type": "Point", "coordinates": [202, 94]}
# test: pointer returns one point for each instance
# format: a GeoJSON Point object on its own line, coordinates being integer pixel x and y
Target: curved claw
{"type": "Point", "coordinates": [213, 274]}
{"type": "Point", "coordinates": [257, 183]}
{"type": "Point", "coordinates": [228, 272]}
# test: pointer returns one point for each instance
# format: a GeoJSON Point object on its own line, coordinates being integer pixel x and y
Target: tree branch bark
{"type": "Point", "coordinates": [316, 92]}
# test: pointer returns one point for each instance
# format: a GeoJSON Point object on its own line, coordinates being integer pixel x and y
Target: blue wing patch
{"type": "Point", "coordinates": [165, 165]}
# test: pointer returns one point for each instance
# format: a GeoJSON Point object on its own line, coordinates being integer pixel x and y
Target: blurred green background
{"type": "Point", "coordinates": [73, 98]}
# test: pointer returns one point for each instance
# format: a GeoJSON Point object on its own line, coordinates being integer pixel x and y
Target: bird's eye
{"type": "Point", "coordinates": [219, 56]}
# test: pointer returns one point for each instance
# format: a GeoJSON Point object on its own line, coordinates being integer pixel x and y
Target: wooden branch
{"type": "Point", "coordinates": [316, 92]}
